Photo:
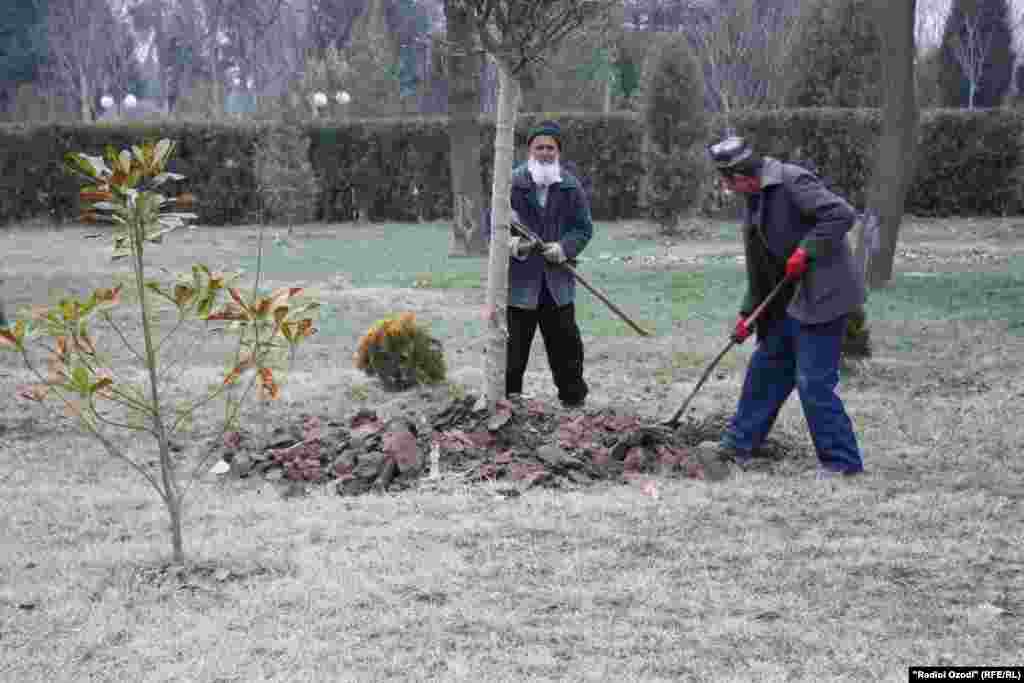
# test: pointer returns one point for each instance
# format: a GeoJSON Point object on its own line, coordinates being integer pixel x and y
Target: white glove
{"type": "Point", "coordinates": [553, 252]}
{"type": "Point", "coordinates": [519, 247]}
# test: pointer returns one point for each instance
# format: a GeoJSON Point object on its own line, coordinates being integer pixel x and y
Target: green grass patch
{"type": "Point", "coordinates": [963, 296]}
{"type": "Point", "coordinates": [416, 255]}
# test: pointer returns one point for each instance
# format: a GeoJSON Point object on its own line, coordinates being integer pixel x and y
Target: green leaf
{"type": "Point", "coordinates": [80, 380]}
{"type": "Point", "coordinates": [110, 155]}
{"type": "Point", "coordinates": [205, 305]}
{"type": "Point", "coordinates": [154, 287]}
{"type": "Point", "coordinates": [76, 163]}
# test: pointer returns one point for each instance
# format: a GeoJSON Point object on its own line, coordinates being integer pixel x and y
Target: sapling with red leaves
{"type": "Point", "coordinates": [123, 189]}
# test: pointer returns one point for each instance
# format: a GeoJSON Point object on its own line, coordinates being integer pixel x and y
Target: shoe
{"type": "Point", "coordinates": [825, 474]}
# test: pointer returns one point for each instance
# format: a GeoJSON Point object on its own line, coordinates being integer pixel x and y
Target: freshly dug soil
{"type": "Point", "coordinates": [526, 443]}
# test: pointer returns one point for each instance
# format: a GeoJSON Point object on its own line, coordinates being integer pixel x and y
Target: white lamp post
{"type": "Point", "coordinates": [319, 100]}
{"type": "Point", "coordinates": [106, 102]}
{"type": "Point", "coordinates": [129, 101]}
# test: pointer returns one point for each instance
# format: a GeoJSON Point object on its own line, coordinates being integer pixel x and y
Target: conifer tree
{"type": "Point", "coordinates": [837, 57]}
{"type": "Point", "coordinates": [676, 130]}
{"type": "Point", "coordinates": [977, 54]}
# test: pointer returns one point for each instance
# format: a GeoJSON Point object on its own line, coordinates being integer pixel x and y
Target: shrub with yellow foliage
{"type": "Point", "coordinates": [401, 353]}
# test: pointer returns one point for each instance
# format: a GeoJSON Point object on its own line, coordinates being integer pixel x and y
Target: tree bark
{"type": "Point", "coordinates": [897, 144]}
{"type": "Point", "coordinates": [467, 238]}
{"type": "Point", "coordinates": [509, 93]}
{"type": "Point", "coordinates": [83, 88]}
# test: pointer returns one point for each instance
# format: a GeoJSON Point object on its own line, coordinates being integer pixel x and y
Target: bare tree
{"type": "Point", "coordinates": [744, 46]}
{"type": "Point", "coordinates": [515, 33]}
{"type": "Point", "coordinates": [79, 49]}
{"type": "Point", "coordinates": [970, 47]}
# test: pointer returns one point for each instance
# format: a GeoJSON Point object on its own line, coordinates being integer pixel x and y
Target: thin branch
{"type": "Point", "coordinates": [111, 448]}
{"type": "Point", "coordinates": [110, 320]}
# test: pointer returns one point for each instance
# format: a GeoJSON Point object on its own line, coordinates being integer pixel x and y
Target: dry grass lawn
{"type": "Point", "coordinates": [763, 577]}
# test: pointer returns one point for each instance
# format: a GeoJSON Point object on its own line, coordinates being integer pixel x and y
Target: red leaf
{"type": "Point", "coordinates": [600, 456]}
{"type": "Point", "coordinates": [527, 471]}
{"type": "Point", "coordinates": [230, 312]}
{"type": "Point", "coordinates": [694, 470]}
{"type": "Point", "coordinates": [634, 459]}
{"type": "Point", "coordinates": [503, 458]}
{"type": "Point", "coordinates": [232, 440]}
{"type": "Point", "coordinates": [365, 424]}
{"type": "Point", "coordinates": [368, 429]}
{"type": "Point", "coordinates": [670, 457]}
{"type": "Point", "coordinates": [7, 338]}
{"type": "Point", "coordinates": [401, 445]}
{"type": "Point", "coordinates": [535, 407]}
{"type": "Point", "coordinates": [34, 392]}
{"type": "Point", "coordinates": [481, 439]}
{"type": "Point", "coordinates": [237, 296]}
{"type": "Point", "coordinates": [649, 488]}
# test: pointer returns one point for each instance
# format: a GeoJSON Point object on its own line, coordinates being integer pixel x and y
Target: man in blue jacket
{"type": "Point", "coordinates": [549, 201]}
{"type": "Point", "coordinates": [795, 229]}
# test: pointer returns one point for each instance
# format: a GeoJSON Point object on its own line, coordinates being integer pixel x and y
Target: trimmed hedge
{"type": "Point", "coordinates": [971, 162]}
{"type": "Point", "coordinates": [217, 160]}
{"type": "Point", "coordinates": [372, 166]}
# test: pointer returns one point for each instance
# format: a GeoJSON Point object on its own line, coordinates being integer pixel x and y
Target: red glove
{"type": "Point", "coordinates": [741, 332]}
{"type": "Point", "coordinates": [797, 264]}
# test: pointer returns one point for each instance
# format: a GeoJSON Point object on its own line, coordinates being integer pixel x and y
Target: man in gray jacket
{"type": "Point", "coordinates": [794, 229]}
{"type": "Point", "coordinates": [550, 201]}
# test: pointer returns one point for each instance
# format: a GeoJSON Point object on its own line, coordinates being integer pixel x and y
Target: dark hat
{"type": "Point", "coordinates": [549, 128]}
{"type": "Point", "coordinates": [734, 154]}
{"type": "Point", "coordinates": [730, 151]}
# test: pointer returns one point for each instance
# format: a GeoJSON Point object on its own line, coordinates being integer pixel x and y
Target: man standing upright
{"type": "Point", "coordinates": [550, 202]}
{"type": "Point", "coordinates": [795, 229]}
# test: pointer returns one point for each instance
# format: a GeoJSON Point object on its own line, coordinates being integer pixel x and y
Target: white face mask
{"type": "Point", "coordinates": [544, 174]}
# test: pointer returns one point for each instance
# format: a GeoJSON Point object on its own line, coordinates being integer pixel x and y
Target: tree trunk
{"type": "Point", "coordinates": [83, 89]}
{"type": "Point", "coordinates": [174, 507]}
{"type": "Point", "coordinates": [606, 106]}
{"type": "Point", "coordinates": [894, 156]}
{"type": "Point", "coordinates": [172, 496]}
{"type": "Point", "coordinates": [501, 210]}
{"type": "Point", "coordinates": [467, 237]}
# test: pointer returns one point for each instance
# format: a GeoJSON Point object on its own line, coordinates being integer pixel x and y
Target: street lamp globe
{"type": "Point", "coordinates": [343, 97]}
{"type": "Point", "coordinates": [319, 99]}
{"type": "Point", "coordinates": [130, 101]}
{"type": "Point", "coordinates": [106, 101]}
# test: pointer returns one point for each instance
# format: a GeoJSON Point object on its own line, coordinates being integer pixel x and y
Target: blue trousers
{"type": "Point", "coordinates": [806, 357]}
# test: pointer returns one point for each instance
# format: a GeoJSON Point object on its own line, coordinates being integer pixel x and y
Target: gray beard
{"type": "Point", "coordinates": [544, 174]}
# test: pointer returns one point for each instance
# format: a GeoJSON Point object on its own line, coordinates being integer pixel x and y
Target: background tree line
{"type": "Point", "coordinates": [264, 58]}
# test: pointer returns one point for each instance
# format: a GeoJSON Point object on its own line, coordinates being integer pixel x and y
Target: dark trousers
{"type": "Point", "coordinates": [806, 358]}
{"type": "Point", "coordinates": [561, 340]}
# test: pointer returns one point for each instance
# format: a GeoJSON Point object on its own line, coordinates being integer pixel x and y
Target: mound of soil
{"type": "Point", "coordinates": [526, 443]}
